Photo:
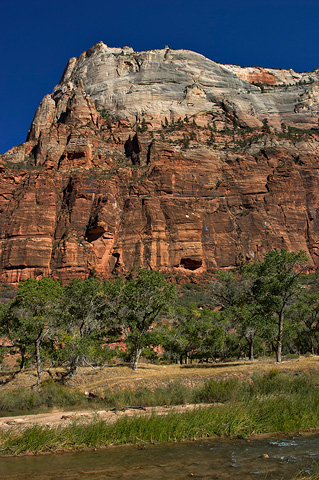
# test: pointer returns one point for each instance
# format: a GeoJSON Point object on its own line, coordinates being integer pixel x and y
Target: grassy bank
{"type": "Point", "coordinates": [268, 403]}
{"type": "Point", "coordinates": [51, 394]}
{"type": "Point", "coordinates": [230, 420]}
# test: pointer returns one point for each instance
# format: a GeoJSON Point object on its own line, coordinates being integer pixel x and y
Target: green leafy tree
{"type": "Point", "coordinates": [225, 290]}
{"type": "Point", "coordinates": [275, 283]}
{"type": "Point", "coordinates": [79, 332]}
{"type": "Point", "coordinates": [12, 336]}
{"type": "Point", "coordinates": [249, 321]}
{"type": "Point", "coordinates": [28, 321]}
{"type": "Point", "coordinates": [135, 305]}
{"type": "Point", "coordinates": [186, 334]}
{"type": "Point", "coordinates": [265, 127]}
{"type": "Point", "coordinates": [194, 333]}
{"type": "Point", "coordinates": [212, 334]}
{"type": "Point", "coordinates": [305, 316]}
{"type": "Point", "coordinates": [232, 294]}
{"type": "Point", "coordinates": [143, 127]}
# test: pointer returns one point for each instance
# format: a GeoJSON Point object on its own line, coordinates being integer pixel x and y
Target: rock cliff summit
{"type": "Point", "coordinates": [161, 159]}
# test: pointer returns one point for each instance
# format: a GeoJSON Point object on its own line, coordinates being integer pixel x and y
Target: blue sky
{"type": "Point", "coordinates": [38, 38]}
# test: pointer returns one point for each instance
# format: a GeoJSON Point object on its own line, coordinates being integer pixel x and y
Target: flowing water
{"type": "Point", "coordinates": [213, 459]}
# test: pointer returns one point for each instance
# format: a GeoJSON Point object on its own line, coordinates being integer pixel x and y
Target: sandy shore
{"type": "Point", "coordinates": [111, 415]}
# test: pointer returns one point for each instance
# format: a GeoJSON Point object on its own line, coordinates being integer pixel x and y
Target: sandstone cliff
{"type": "Point", "coordinates": [161, 159]}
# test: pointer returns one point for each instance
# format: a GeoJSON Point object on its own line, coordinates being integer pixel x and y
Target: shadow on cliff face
{"type": "Point", "coordinates": [133, 148]}
{"type": "Point", "coordinates": [69, 194]}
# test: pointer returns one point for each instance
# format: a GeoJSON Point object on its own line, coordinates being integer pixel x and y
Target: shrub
{"type": "Point", "coordinates": [278, 383]}
{"type": "Point", "coordinates": [49, 394]}
{"type": "Point", "coordinates": [219, 390]}
{"type": "Point", "coordinates": [55, 394]}
{"type": "Point", "coordinates": [172, 394]}
{"type": "Point", "coordinates": [19, 399]}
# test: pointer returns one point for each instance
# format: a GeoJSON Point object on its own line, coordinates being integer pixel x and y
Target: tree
{"type": "Point", "coordinates": [28, 320]}
{"type": "Point", "coordinates": [135, 304]}
{"type": "Point", "coordinates": [185, 335]}
{"type": "Point", "coordinates": [232, 294]}
{"type": "Point", "coordinates": [265, 127]}
{"type": "Point", "coordinates": [79, 333]}
{"type": "Point", "coordinates": [275, 283]}
{"type": "Point", "coordinates": [225, 290]}
{"type": "Point", "coordinates": [194, 333]}
{"type": "Point", "coordinates": [247, 327]}
{"type": "Point", "coordinates": [305, 316]}
{"type": "Point", "coordinates": [12, 338]}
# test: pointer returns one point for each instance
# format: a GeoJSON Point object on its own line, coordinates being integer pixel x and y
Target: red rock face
{"type": "Point", "coordinates": [93, 191]}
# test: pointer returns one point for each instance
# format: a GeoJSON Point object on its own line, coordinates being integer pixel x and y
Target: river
{"type": "Point", "coordinates": [210, 459]}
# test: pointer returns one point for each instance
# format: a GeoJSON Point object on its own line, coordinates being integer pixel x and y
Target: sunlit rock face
{"type": "Point", "coordinates": [161, 159]}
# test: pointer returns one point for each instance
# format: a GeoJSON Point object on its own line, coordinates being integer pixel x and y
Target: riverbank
{"type": "Point", "coordinates": [225, 421]}
{"type": "Point", "coordinates": [251, 414]}
{"type": "Point", "coordinates": [244, 403]}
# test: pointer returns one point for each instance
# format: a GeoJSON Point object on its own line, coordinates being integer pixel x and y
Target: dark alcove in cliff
{"type": "Point", "coordinates": [69, 194]}
{"type": "Point", "coordinates": [93, 233]}
{"type": "Point", "coordinates": [191, 264]}
{"type": "Point", "coordinates": [133, 148]}
{"type": "Point", "coordinates": [115, 261]}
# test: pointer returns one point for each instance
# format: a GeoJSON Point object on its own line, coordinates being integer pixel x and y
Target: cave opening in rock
{"type": "Point", "coordinates": [94, 233]}
{"type": "Point", "coordinates": [191, 264]}
{"type": "Point", "coordinates": [116, 260]}
{"type": "Point", "coordinates": [132, 149]}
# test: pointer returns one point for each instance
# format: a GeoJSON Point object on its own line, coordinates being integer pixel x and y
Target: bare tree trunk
{"type": "Point", "coordinates": [279, 337]}
{"type": "Point", "coordinates": [71, 370]}
{"type": "Point", "coordinates": [21, 366]}
{"type": "Point", "coordinates": [137, 355]}
{"type": "Point", "coordinates": [22, 361]}
{"type": "Point", "coordinates": [38, 358]}
{"type": "Point", "coordinates": [251, 350]}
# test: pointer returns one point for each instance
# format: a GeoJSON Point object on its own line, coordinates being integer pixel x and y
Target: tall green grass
{"type": "Point", "coordinates": [232, 419]}
{"type": "Point", "coordinates": [173, 393]}
{"type": "Point", "coordinates": [51, 394]}
{"type": "Point", "coordinates": [270, 403]}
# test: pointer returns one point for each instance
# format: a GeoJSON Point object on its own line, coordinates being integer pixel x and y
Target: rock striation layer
{"type": "Point", "coordinates": [161, 159]}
